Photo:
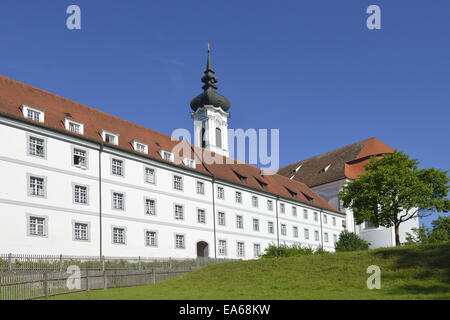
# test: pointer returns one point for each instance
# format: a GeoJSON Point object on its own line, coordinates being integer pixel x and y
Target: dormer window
{"type": "Point", "coordinates": [262, 184]}
{"type": "Point", "coordinates": [310, 199]}
{"type": "Point", "coordinates": [76, 127]}
{"type": "Point", "coordinates": [325, 169]}
{"type": "Point", "coordinates": [293, 194]}
{"type": "Point", "coordinates": [140, 147]}
{"type": "Point", "coordinates": [166, 155]}
{"type": "Point", "coordinates": [110, 137]}
{"type": "Point", "coordinates": [33, 114]}
{"type": "Point", "coordinates": [189, 162]}
{"type": "Point", "coordinates": [241, 177]}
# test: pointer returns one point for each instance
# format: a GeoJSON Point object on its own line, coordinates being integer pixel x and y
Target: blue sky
{"type": "Point", "coordinates": [310, 68]}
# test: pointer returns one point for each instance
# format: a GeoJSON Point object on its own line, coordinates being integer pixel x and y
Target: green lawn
{"type": "Point", "coordinates": [418, 272]}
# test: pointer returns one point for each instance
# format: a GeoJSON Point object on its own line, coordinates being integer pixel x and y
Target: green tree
{"type": "Point", "coordinates": [394, 190]}
{"type": "Point", "coordinates": [440, 232]}
{"type": "Point", "coordinates": [349, 241]}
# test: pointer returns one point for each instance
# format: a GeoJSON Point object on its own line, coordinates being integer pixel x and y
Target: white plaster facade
{"type": "Point", "coordinates": [60, 212]}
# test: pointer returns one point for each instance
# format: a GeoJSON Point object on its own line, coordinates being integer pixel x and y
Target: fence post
{"type": "Point", "coordinates": [87, 280]}
{"type": "Point", "coordinates": [154, 275]}
{"type": "Point", "coordinates": [170, 264]}
{"type": "Point", "coordinates": [103, 263]}
{"type": "Point", "coordinates": [139, 262]}
{"type": "Point", "coordinates": [60, 263]}
{"type": "Point", "coordinates": [10, 261]}
{"type": "Point", "coordinates": [46, 285]}
{"type": "Point", "coordinates": [105, 280]}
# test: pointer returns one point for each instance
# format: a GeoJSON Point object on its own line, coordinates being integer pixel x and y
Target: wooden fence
{"type": "Point", "coordinates": [24, 277]}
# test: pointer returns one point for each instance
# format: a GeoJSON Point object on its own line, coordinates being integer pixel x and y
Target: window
{"type": "Point", "coordinates": [257, 250]}
{"type": "Point", "coordinates": [220, 193]}
{"type": "Point", "coordinates": [81, 231]}
{"type": "Point", "coordinates": [325, 219]}
{"type": "Point", "coordinates": [118, 235]}
{"type": "Point", "coordinates": [221, 218]}
{"type": "Point", "coordinates": [37, 226]}
{"type": "Point", "coordinates": [74, 126]}
{"type": "Point", "coordinates": [80, 194]}
{"type": "Point", "coordinates": [118, 201]}
{"type": "Point", "coordinates": [295, 232]}
{"type": "Point", "coordinates": [270, 205]}
{"type": "Point", "coordinates": [36, 147]}
{"type": "Point", "coordinates": [255, 201]}
{"type": "Point", "coordinates": [306, 234]}
{"type": "Point", "coordinates": [117, 167]}
{"type": "Point", "coordinates": [334, 238]}
{"type": "Point", "coordinates": [150, 206]}
{"type": "Point", "coordinates": [325, 169]}
{"type": "Point", "coordinates": [222, 247]}
{"type": "Point", "coordinates": [333, 221]}
{"type": "Point", "coordinates": [190, 163]}
{"type": "Point", "coordinates": [200, 187]}
{"type": "Point", "coordinates": [166, 155]}
{"type": "Point", "coordinates": [37, 187]}
{"type": "Point", "coordinates": [316, 235]}
{"type": "Point", "coordinates": [325, 236]}
{"type": "Point", "coordinates": [255, 225]}
{"type": "Point", "coordinates": [178, 183]}
{"type": "Point", "coordinates": [305, 214]}
{"type": "Point", "coordinates": [179, 212]}
{"type": "Point", "coordinates": [239, 222]}
{"type": "Point", "coordinates": [238, 197]}
{"type": "Point", "coordinates": [270, 227]}
{"type": "Point", "coordinates": [140, 147]}
{"type": "Point", "coordinates": [316, 217]}
{"type": "Point", "coordinates": [201, 216]}
{"type": "Point", "coordinates": [109, 138]}
{"type": "Point", "coordinates": [79, 158]}
{"type": "Point", "coordinates": [218, 138]}
{"type": "Point", "coordinates": [282, 208]}
{"type": "Point", "coordinates": [283, 230]}
{"type": "Point", "coordinates": [179, 241]}
{"type": "Point", "coordinates": [294, 211]}
{"type": "Point", "coordinates": [151, 239]}
{"type": "Point", "coordinates": [33, 115]}
{"type": "Point", "coordinates": [150, 175]}
{"type": "Point", "coordinates": [369, 225]}
{"type": "Point", "coordinates": [240, 249]}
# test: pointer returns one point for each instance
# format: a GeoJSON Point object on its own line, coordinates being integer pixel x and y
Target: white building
{"type": "Point", "coordinates": [327, 173]}
{"type": "Point", "coordinates": [77, 181]}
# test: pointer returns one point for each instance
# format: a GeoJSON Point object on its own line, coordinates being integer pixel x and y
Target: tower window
{"type": "Point", "coordinates": [218, 138]}
{"type": "Point", "coordinates": [203, 138]}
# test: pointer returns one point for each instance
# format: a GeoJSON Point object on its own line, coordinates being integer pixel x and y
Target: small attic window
{"type": "Point", "coordinates": [310, 200]}
{"type": "Point", "coordinates": [166, 155]}
{"type": "Point", "coordinates": [110, 137]}
{"type": "Point", "coordinates": [325, 169]}
{"type": "Point", "coordinates": [74, 126]}
{"type": "Point", "coordinates": [189, 162]}
{"type": "Point", "coordinates": [140, 147]}
{"type": "Point", "coordinates": [241, 177]}
{"type": "Point", "coordinates": [294, 172]}
{"type": "Point", "coordinates": [293, 194]}
{"type": "Point", "coordinates": [262, 184]}
{"type": "Point", "coordinates": [33, 114]}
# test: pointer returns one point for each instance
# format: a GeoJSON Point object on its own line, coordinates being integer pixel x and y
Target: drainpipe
{"type": "Point", "coordinates": [321, 229]}
{"type": "Point", "coordinates": [100, 197]}
{"type": "Point", "coordinates": [278, 232]}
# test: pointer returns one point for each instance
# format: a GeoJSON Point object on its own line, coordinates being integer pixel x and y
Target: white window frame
{"type": "Point", "coordinates": [124, 235]}
{"type": "Point", "coordinates": [165, 153]}
{"type": "Point", "coordinates": [269, 205]}
{"type": "Point", "coordinates": [283, 229]}
{"type": "Point", "coordinates": [255, 201]}
{"type": "Point", "coordinates": [146, 211]}
{"type": "Point", "coordinates": [41, 113]}
{"type": "Point", "coordinates": [200, 187]}
{"type": "Point", "coordinates": [238, 252]}
{"type": "Point", "coordinates": [177, 215]}
{"type": "Point", "coordinates": [183, 241]}
{"type": "Point", "coordinates": [44, 226]}
{"type": "Point", "coordinates": [146, 238]}
{"type": "Point", "coordinates": [137, 147]}
{"type": "Point", "coordinates": [88, 230]}
{"type": "Point", "coordinates": [43, 145]}
{"type": "Point", "coordinates": [239, 221]}
{"type": "Point", "coordinates": [201, 218]}
{"type": "Point", "coordinates": [220, 192]}
{"type": "Point", "coordinates": [257, 250]}
{"type": "Point", "coordinates": [86, 187]}
{"type": "Point", "coordinates": [69, 122]}
{"type": "Point", "coordinates": [122, 167]}
{"type": "Point", "coordinates": [222, 247]}
{"type": "Point", "coordinates": [116, 136]}
{"type": "Point", "coordinates": [146, 180]}
{"type": "Point", "coordinates": [238, 196]}
{"type": "Point", "coordinates": [190, 163]}
{"type": "Point", "coordinates": [113, 201]}
{"type": "Point", "coordinates": [181, 182]}
{"type": "Point", "coordinates": [255, 223]}
{"type": "Point", "coordinates": [221, 222]}
{"type": "Point", "coordinates": [270, 227]}
{"type": "Point", "coordinates": [76, 150]}
{"type": "Point", "coordinates": [31, 190]}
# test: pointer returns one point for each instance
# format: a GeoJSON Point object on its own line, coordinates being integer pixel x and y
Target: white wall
{"type": "Point", "coordinates": [60, 210]}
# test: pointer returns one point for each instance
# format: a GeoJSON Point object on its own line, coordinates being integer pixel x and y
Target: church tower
{"type": "Point", "coordinates": [210, 115]}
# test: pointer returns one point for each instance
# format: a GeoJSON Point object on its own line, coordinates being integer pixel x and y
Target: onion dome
{"type": "Point", "coordinates": [209, 95]}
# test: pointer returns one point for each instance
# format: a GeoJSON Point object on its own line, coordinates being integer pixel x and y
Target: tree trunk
{"type": "Point", "coordinates": [397, 235]}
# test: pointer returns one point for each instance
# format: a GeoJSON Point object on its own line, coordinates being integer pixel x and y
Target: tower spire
{"type": "Point", "coordinates": [209, 79]}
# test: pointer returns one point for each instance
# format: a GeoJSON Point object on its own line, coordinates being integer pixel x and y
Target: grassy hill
{"type": "Point", "coordinates": [417, 272]}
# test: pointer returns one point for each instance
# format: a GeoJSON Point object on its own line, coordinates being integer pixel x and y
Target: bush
{"type": "Point", "coordinates": [349, 241]}
{"type": "Point", "coordinates": [440, 232]}
{"type": "Point", "coordinates": [272, 251]}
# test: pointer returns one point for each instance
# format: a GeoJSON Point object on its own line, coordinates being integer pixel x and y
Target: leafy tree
{"type": "Point", "coordinates": [394, 190]}
{"type": "Point", "coordinates": [349, 241]}
{"type": "Point", "coordinates": [440, 232]}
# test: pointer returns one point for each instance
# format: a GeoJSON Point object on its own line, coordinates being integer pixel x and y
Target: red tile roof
{"type": "Point", "coordinates": [347, 162]}
{"type": "Point", "coordinates": [14, 94]}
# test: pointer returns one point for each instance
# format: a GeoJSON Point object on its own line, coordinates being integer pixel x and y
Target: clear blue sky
{"type": "Point", "coordinates": [310, 68]}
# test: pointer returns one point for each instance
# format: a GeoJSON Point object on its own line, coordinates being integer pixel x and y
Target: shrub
{"type": "Point", "coordinates": [272, 251]}
{"type": "Point", "coordinates": [349, 241]}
